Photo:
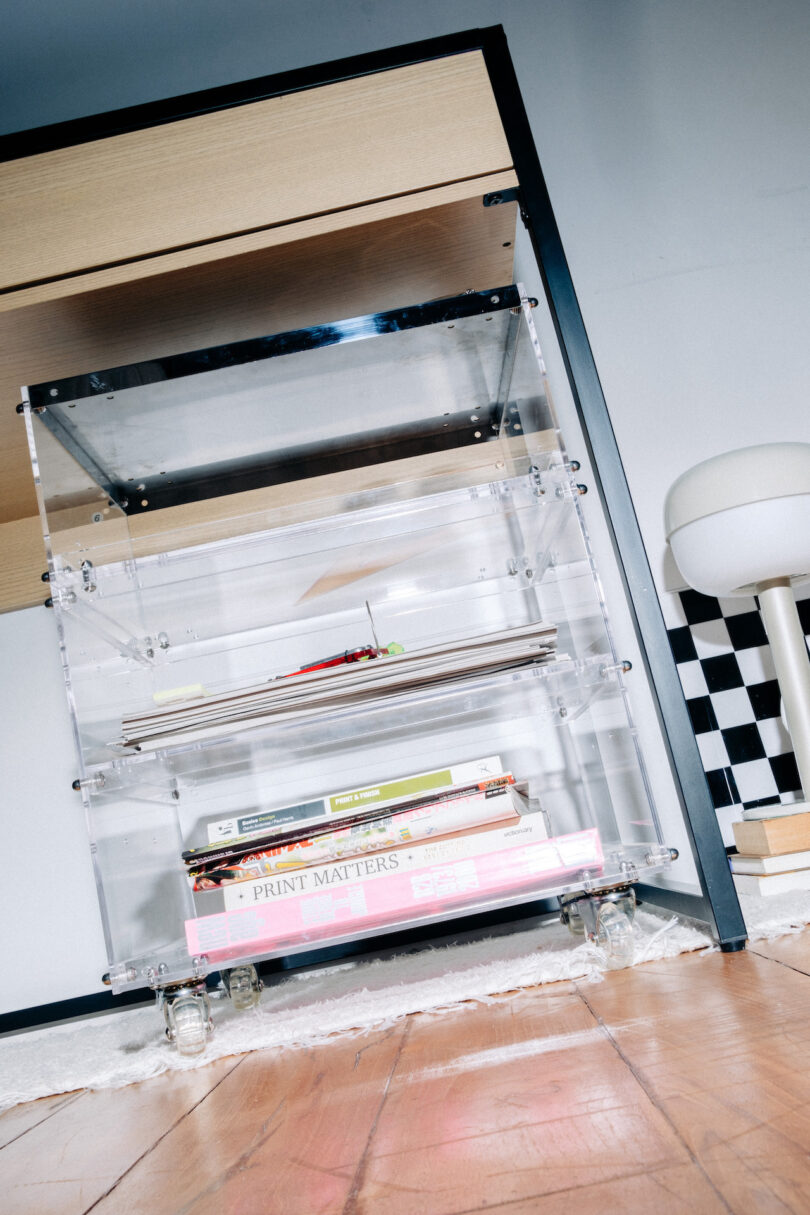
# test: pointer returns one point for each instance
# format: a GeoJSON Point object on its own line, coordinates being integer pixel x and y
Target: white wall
{"type": "Point", "coordinates": [52, 941]}
{"type": "Point", "coordinates": [673, 136]}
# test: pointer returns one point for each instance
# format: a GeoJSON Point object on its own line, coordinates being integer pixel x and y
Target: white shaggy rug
{"type": "Point", "coordinates": [351, 997]}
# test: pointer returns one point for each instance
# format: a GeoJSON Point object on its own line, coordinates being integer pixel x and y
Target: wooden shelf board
{"type": "Point", "coordinates": [294, 157]}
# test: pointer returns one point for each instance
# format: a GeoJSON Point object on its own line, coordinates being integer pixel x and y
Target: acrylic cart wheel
{"type": "Point", "coordinates": [570, 915]}
{"type": "Point", "coordinates": [244, 986]}
{"type": "Point", "coordinates": [614, 934]}
{"type": "Point", "coordinates": [189, 1024]}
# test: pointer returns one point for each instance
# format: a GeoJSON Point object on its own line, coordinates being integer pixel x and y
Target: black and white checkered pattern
{"type": "Point", "coordinates": [727, 674]}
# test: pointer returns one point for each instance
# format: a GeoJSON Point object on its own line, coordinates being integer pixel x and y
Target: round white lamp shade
{"type": "Point", "coordinates": [742, 518]}
{"type": "Point", "coordinates": [739, 524]}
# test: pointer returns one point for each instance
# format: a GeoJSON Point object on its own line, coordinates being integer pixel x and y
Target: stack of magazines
{"type": "Point", "coordinates": [366, 858]}
{"type": "Point", "coordinates": [330, 688]}
{"type": "Point", "coordinates": [460, 808]}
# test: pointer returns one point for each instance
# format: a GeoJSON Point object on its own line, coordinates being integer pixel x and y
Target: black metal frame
{"type": "Point", "coordinates": [294, 341]}
{"type": "Point", "coordinates": [720, 897]}
{"type": "Point", "coordinates": [719, 902]}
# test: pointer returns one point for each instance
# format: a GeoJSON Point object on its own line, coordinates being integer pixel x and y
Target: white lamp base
{"type": "Point", "coordinates": [790, 658]}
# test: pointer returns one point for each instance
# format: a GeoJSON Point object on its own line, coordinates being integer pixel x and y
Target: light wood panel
{"type": "Point", "coordinates": [20, 1119]}
{"type": "Point", "coordinates": [23, 561]}
{"type": "Point", "coordinates": [720, 1044]}
{"type": "Point", "coordinates": [266, 238]}
{"type": "Point", "coordinates": [509, 1103]}
{"type": "Point", "coordinates": [270, 162]}
{"type": "Point", "coordinates": [791, 950]}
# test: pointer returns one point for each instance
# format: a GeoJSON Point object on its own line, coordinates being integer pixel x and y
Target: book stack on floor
{"type": "Point", "coordinates": [773, 854]}
{"type": "Point", "coordinates": [409, 848]}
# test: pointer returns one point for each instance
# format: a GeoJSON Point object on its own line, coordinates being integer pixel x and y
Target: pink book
{"type": "Point", "coordinates": [401, 887]}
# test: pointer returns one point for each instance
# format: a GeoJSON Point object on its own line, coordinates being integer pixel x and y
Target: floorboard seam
{"type": "Point", "coordinates": [62, 1106]}
{"type": "Point", "coordinates": [350, 1206]}
{"type": "Point", "coordinates": [787, 965]}
{"type": "Point", "coordinates": [651, 1098]}
{"type": "Point", "coordinates": [567, 1189]}
{"type": "Point", "coordinates": [160, 1138]}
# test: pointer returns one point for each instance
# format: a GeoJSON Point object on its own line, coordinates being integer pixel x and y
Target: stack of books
{"type": "Point", "coordinates": [277, 851]}
{"type": "Point", "coordinates": [773, 854]}
{"type": "Point", "coordinates": [406, 850]}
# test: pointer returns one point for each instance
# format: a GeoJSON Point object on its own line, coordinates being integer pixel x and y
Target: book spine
{"type": "Point", "coordinates": [753, 867]}
{"type": "Point", "coordinates": [423, 855]}
{"type": "Point", "coordinates": [489, 804]}
{"type": "Point", "coordinates": [444, 850]}
{"type": "Point", "coordinates": [354, 905]}
{"type": "Point", "coordinates": [231, 849]}
{"type": "Point", "coordinates": [388, 793]}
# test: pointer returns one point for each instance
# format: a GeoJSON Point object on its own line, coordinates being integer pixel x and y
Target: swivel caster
{"type": "Point", "coordinates": [187, 1013]}
{"type": "Point", "coordinates": [243, 985]}
{"type": "Point", "coordinates": [604, 917]}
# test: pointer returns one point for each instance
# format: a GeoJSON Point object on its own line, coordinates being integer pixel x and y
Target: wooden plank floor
{"type": "Point", "coordinates": [676, 1086]}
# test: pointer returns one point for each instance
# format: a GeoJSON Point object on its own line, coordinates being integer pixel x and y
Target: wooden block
{"type": "Point", "coordinates": [773, 836]}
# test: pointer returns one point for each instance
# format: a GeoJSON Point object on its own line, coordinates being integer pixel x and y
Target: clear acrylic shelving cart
{"type": "Point", "coordinates": [220, 520]}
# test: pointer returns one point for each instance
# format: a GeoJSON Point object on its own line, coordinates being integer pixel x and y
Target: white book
{"type": "Point", "coordinates": [772, 811]}
{"type": "Point", "coordinates": [772, 883]}
{"type": "Point", "coordinates": [769, 864]}
{"type": "Point", "coordinates": [561, 853]}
